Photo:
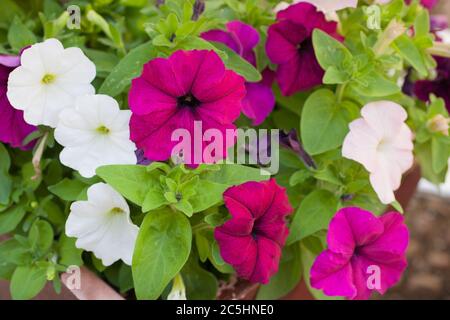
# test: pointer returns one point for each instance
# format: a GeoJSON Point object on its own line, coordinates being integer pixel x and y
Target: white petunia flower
{"type": "Point", "coordinates": [48, 80]}
{"type": "Point", "coordinates": [382, 142]}
{"type": "Point", "coordinates": [95, 133]}
{"type": "Point", "coordinates": [102, 225]}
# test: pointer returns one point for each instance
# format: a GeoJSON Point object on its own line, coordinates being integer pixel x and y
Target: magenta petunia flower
{"type": "Point", "coordinates": [439, 86]}
{"type": "Point", "coordinates": [365, 253]}
{"type": "Point", "coordinates": [429, 4]}
{"type": "Point", "coordinates": [251, 241]}
{"type": "Point", "coordinates": [289, 45]}
{"type": "Point", "coordinates": [13, 129]}
{"type": "Point", "coordinates": [243, 38]}
{"type": "Point", "coordinates": [172, 93]}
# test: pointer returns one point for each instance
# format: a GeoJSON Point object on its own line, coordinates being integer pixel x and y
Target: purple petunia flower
{"type": "Point", "coordinates": [243, 38]}
{"type": "Point", "coordinates": [439, 86]}
{"type": "Point", "coordinates": [13, 129]}
{"type": "Point", "coordinates": [365, 254]}
{"type": "Point", "coordinates": [176, 92]}
{"type": "Point", "coordinates": [289, 45]}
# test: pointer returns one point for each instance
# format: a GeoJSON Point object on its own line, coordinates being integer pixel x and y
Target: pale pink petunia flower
{"type": "Point", "coordinates": [382, 142]}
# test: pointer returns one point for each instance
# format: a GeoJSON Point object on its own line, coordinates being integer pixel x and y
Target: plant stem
{"type": "Point", "coordinates": [340, 90]}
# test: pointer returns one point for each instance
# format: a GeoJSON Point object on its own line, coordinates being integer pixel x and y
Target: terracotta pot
{"type": "Point", "coordinates": [93, 287]}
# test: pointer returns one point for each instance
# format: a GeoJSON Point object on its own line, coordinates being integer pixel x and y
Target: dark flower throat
{"type": "Point", "coordinates": [188, 100]}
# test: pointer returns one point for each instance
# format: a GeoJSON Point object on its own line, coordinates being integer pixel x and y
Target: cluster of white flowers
{"type": "Point", "coordinates": [53, 88]}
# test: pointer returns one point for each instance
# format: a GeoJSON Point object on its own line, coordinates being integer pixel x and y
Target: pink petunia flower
{"type": "Point", "coordinates": [174, 92]}
{"type": "Point", "coordinates": [243, 38]}
{"type": "Point", "coordinates": [289, 45]}
{"type": "Point", "coordinates": [365, 254]}
{"type": "Point", "coordinates": [13, 129]}
{"type": "Point", "coordinates": [251, 241]}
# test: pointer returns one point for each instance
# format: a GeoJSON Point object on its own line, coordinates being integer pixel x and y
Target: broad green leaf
{"type": "Point", "coordinates": [154, 199]}
{"type": "Point", "coordinates": [5, 160]}
{"type": "Point", "coordinates": [440, 153]}
{"type": "Point", "coordinates": [5, 188]}
{"type": "Point", "coordinates": [12, 251]}
{"type": "Point", "coordinates": [207, 195]}
{"type": "Point", "coordinates": [423, 154]}
{"type": "Point", "coordinates": [373, 84]}
{"type": "Point", "coordinates": [9, 10]}
{"type": "Point", "coordinates": [69, 254]}
{"type": "Point", "coordinates": [313, 214]}
{"type": "Point", "coordinates": [132, 181]}
{"type": "Point", "coordinates": [41, 236]}
{"type": "Point", "coordinates": [162, 248]}
{"type": "Point", "coordinates": [104, 61]}
{"type": "Point", "coordinates": [330, 52]}
{"type": "Point", "coordinates": [239, 64]}
{"type": "Point", "coordinates": [234, 174]}
{"type": "Point", "coordinates": [128, 68]}
{"type": "Point", "coordinates": [323, 124]}
{"type": "Point", "coordinates": [10, 218]}
{"type": "Point", "coordinates": [408, 50]}
{"type": "Point", "coordinates": [19, 36]}
{"type": "Point", "coordinates": [27, 282]}
{"type": "Point", "coordinates": [200, 284]}
{"type": "Point", "coordinates": [287, 277]}
{"type": "Point", "coordinates": [68, 190]}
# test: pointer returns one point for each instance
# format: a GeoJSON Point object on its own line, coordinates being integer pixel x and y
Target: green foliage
{"type": "Point", "coordinates": [323, 123]}
{"type": "Point", "coordinates": [162, 248]}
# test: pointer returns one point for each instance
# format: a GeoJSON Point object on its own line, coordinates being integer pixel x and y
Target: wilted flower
{"type": "Point", "coordinates": [439, 123]}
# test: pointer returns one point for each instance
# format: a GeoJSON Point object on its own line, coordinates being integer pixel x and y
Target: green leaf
{"type": "Point", "coordinates": [132, 181]}
{"type": "Point", "coordinates": [27, 282]}
{"type": "Point", "coordinates": [440, 153]}
{"type": "Point", "coordinates": [128, 68]}
{"type": "Point", "coordinates": [207, 195]}
{"type": "Point", "coordinates": [200, 284]}
{"type": "Point", "coordinates": [5, 160]}
{"type": "Point", "coordinates": [69, 254]}
{"type": "Point", "coordinates": [41, 236]}
{"type": "Point", "coordinates": [12, 251]}
{"type": "Point", "coordinates": [236, 63]}
{"type": "Point", "coordinates": [162, 248]}
{"type": "Point", "coordinates": [408, 50]}
{"type": "Point", "coordinates": [69, 190]}
{"type": "Point", "coordinates": [373, 84]}
{"type": "Point", "coordinates": [234, 174]}
{"type": "Point", "coordinates": [330, 52]}
{"type": "Point", "coordinates": [10, 218]}
{"type": "Point", "coordinates": [323, 124]}
{"type": "Point", "coordinates": [313, 214]}
{"type": "Point", "coordinates": [154, 199]}
{"type": "Point", "coordinates": [287, 277]}
{"type": "Point", "coordinates": [19, 36]}
{"type": "Point", "coordinates": [104, 61]}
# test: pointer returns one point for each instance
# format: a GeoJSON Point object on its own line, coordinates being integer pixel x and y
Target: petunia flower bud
{"type": "Point", "coordinates": [439, 123]}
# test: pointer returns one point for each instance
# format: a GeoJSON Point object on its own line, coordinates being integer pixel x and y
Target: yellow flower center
{"type": "Point", "coordinates": [48, 78]}
{"type": "Point", "coordinates": [103, 130]}
{"type": "Point", "coordinates": [117, 210]}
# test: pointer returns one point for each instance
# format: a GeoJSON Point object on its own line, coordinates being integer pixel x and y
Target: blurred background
{"type": "Point", "coordinates": [428, 218]}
